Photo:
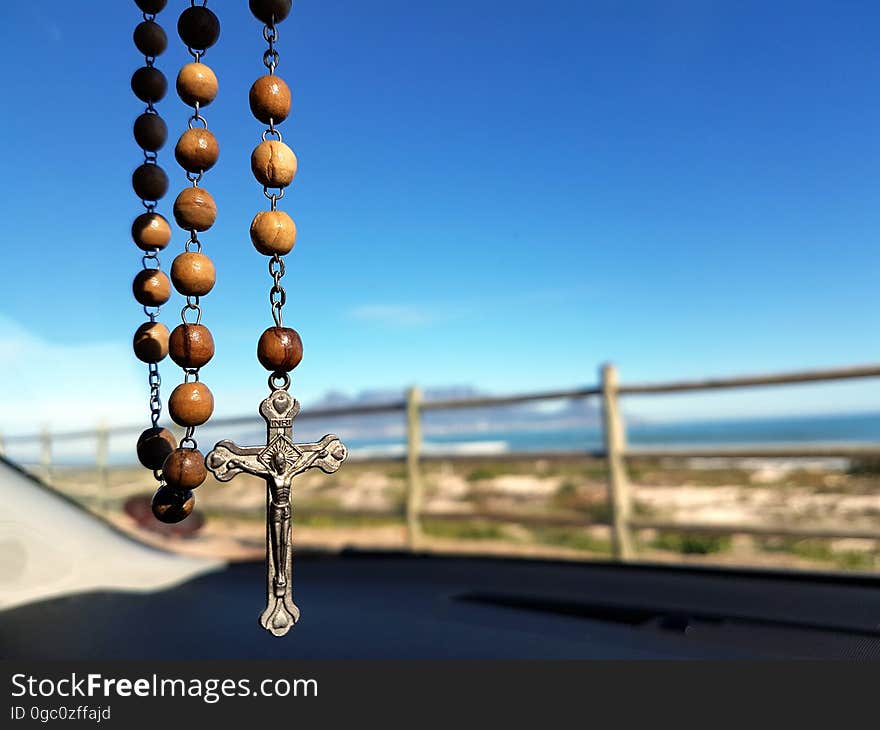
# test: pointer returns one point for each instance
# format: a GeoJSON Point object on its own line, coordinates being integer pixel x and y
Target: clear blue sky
{"type": "Point", "coordinates": [502, 194]}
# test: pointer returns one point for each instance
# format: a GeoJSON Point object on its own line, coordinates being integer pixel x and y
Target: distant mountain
{"type": "Point", "coordinates": [575, 413]}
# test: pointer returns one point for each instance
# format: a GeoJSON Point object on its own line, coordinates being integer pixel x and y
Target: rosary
{"type": "Point", "coordinates": [179, 469]}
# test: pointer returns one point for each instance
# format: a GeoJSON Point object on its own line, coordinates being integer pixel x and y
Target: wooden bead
{"type": "Point", "coordinates": [190, 404]}
{"type": "Point", "coordinates": [191, 345]}
{"type": "Point", "coordinates": [154, 445]}
{"type": "Point", "coordinates": [151, 6]}
{"type": "Point", "coordinates": [193, 274]}
{"type": "Point", "coordinates": [195, 209]}
{"type": "Point", "coordinates": [151, 287]}
{"type": "Point", "coordinates": [151, 342]}
{"type": "Point", "coordinates": [150, 231]}
{"type": "Point", "coordinates": [150, 39]}
{"type": "Point", "coordinates": [197, 150]}
{"type": "Point", "coordinates": [149, 182]}
{"type": "Point", "coordinates": [198, 27]}
{"type": "Point", "coordinates": [270, 99]}
{"type": "Point", "coordinates": [150, 132]}
{"type": "Point", "coordinates": [185, 468]}
{"type": "Point", "coordinates": [273, 232]}
{"type": "Point", "coordinates": [197, 84]}
{"type": "Point", "coordinates": [270, 11]}
{"type": "Point", "coordinates": [273, 163]}
{"type": "Point", "coordinates": [172, 505]}
{"type": "Point", "coordinates": [149, 84]}
{"type": "Point", "coordinates": [280, 349]}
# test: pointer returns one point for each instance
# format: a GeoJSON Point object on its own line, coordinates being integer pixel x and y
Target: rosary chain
{"type": "Point", "coordinates": [277, 294]}
{"type": "Point", "coordinates": [150, 257]}
{"type": "Point", "coordinates": [197, 37]}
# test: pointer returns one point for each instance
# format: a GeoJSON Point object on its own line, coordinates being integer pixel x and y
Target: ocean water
{"type": "Point", "coordinates": [851, 428]}
{"type": "Point", "coordinates": [854, 428]}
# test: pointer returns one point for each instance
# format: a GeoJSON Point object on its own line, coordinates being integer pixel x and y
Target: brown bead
{"type": "Point", "coordinates": [149, 182]}
{"type": "Point", "coordinates": [273, 232]}
{"type": "Point", "coordinates": [151, 287]}
{"type": "Point", "coordinates": [270, 99]}
{"type": "Point", "coordinates": [150, 231]}
{"type": "Point", "coordinates": [273, 163]}
{"type": "Point", "coordinates": [191, 345]}
{"type": "Point", "coordinates": [198, 27]}
{"type": "Point", "coordinates": [150, 39]}
{"type": "Point", "coordinates": [172, 505]}
{"type": "Point", "coordinates": [154, 445]}
{"type": "Point", "coordinates": [195, 209]}
{"type": "Point", "coordinates": [185, 468]}
{"type": "Point", "coordinates": [150, 132]}
{"type": "Point", "coordinates": [191, 404]}
{"type": "Point", "coordinates": [151, 342]}
{"type": "Point", "coordinates": [197, 84]}
{"type": "Point", "coordinates": [270, 11]}
{"type": "Point", "coordinates": [151, 6]}
{"type": "Point", "coordinates": [149, 84]}
{"type": "Point", "coordinates": [197, 150]}
{"type": "Point", "coordinates": [193, 274]}
{"type": "Point", "coordinates": [280, 349]}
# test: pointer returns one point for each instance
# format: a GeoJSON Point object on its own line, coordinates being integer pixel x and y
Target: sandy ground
{"type": "Point", "coordinates": [766, 493]}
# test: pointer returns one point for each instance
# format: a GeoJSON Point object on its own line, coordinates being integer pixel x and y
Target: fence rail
{"type": "Point", "coordinates": [616, 453]}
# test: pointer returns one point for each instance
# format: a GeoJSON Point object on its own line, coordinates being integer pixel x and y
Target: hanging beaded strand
{"type": "Point", "coordinates": [150, 230]}
{"type": "Point", "coordinates": [191, 345]}
{"type": "Point", "coordinates": [273, 163]}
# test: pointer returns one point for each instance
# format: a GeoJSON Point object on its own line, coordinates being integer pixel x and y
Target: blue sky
{"type": "Point", "coordinates": [502, 194]}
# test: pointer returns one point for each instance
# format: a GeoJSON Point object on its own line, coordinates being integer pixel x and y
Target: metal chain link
{"type": "Point", "coordinates": [270, 56]}
{"type": "Point", "coordinates": [155, 382]}
{"type": "Point", "coordinates": [277, 295]}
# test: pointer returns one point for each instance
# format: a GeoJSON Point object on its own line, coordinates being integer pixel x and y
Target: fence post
{"type": "Point", "coordinates": [102, 449]}
{"type": "Point", "coordinates": [413, 472]}
{"type": "Point", "coordinates": [618, 484]}
{"type": "Point", "coordinates": [46, 453]}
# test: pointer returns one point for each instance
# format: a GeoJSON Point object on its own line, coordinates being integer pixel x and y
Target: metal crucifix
{"type": "Point", "coordinates": [278, 462]}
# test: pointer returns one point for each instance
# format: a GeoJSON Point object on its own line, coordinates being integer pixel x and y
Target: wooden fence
{"type": "Point", "coordinates": [616, 452]}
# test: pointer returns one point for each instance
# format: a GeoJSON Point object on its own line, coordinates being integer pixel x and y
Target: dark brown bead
{"type": "Point", "coordinates": [149, 84]}
{"type": "Point", "coordinates": [154, 445]}
{"type": "Point", "coordinates": [195, 209]}
{"type": "Point", "coordinates": [197, 150]}
{"type": "Point", "coordinates": [273, 163]}
{"type": "Point", "coordinates": [150, 39]}
{"type": "Point", "coordinates": [190, 404]}
{"type": "Point", "coordinates": [198, 27]}
{"type": "Point", "coordinates": [151, 287]}
{"type": "Point", "coordinates": [280, 349]}
{"type": "Point", "coordinates": [172, 505]}
{"type": "Point", "coordinates": [151, 6]}
{"type": "Point", "coordinates": [197, 84]}
{"type": "Point", "coordinates": [193, 274]}
{"type": "Point", "coordinates": [150, 132]}
{"type": "Point", "coordinates": [151, 342]}
{"type": "Point", "coordinates": [273, 232]}
{"type": "Point", "coordinates": [270, 99]}
{"type": "Point", "coordinates": [185, 468]}
{"type": "Point", "coordinates": [150, 231]}
{"type": "Point", "coordinates": [270, 11]}
{"type": "Point", "coordinates": [191, 345]}
{"type": "Point", "coordinates": [149, 182]}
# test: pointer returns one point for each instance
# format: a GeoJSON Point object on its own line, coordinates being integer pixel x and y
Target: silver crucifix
{"type": "Point", "coordinates": [278, 462]}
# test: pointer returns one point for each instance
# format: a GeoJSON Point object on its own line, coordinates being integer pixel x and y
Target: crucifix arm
{"type": "Point", "coordinates": [227, 459]}
{"type": "Point", "coordinates": [326, 455]}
